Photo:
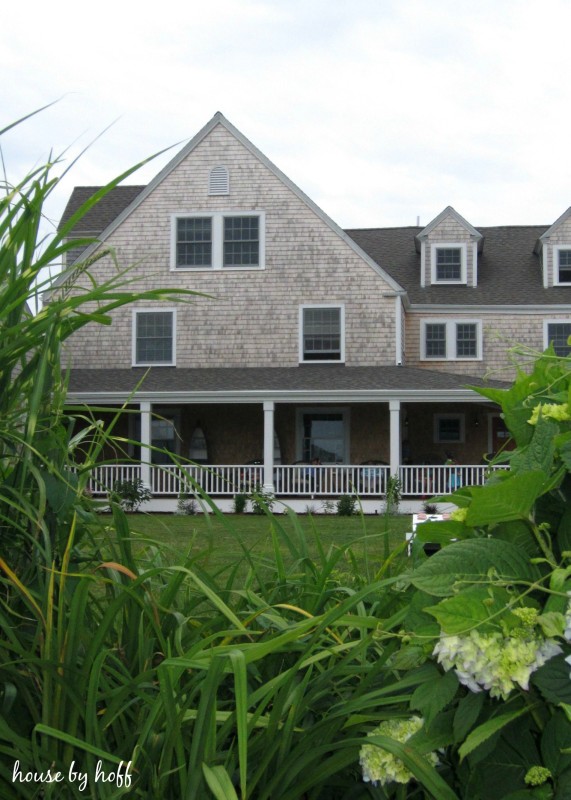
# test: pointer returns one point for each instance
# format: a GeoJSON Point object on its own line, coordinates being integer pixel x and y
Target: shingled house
{"type": "Point", "coordinates": [308, 342]}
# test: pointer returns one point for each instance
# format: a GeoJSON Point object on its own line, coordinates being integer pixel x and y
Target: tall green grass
{"type": "Point", "coordinates": [238, 683]}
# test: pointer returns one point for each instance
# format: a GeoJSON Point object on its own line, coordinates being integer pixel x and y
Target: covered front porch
{"type": "Point", "coordinates": [304, 434]}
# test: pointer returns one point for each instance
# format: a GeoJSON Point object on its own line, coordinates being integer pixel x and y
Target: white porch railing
{"type": "Point", "coordinates": [299, 480]}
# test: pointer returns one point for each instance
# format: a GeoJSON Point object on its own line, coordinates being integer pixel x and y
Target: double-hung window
{"type": "Point", "coordinates": [448, 428]}
{"type": "Point", "coordinates": [322, 333]}
{"type": "Point", "coordinates": [562, 263]}
{"type": "Point", "coordinates": [558, 334]}
{"type": "Point", "coordinates": [451, 340]}
{"type": "Point", "coordinates": [218, 240]}
{"type": "Point", "coordinates": [154, 337]}
{"type": "Point", "coordinates": [448, 263]}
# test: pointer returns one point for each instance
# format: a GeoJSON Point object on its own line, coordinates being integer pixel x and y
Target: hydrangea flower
{"type": "Point", "coordinates": [378, 765]}
{"type": "Point", "coordinates": [536, 776]}
{"type": "Point", "coordinates": [495, 662]}
{"type": "Point", "coordinates": [556, 411]}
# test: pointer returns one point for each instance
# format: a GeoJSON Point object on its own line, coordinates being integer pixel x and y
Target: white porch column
{"type": "Point", "coordinates": [145, 443]}
{"type": "Point", "coordinates": [395, 444]}
{"type": "Point", "coordinates": [269, 446]}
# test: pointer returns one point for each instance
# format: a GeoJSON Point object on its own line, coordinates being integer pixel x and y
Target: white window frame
{"type": "Point", "coordinates": [451, 341]}
{"type": "Point", "coordinates": [557, 248]}
{"type": "Point", "coordinates": [463, 262]}
{"type": "Point", "coordinates": [341, 359]}
{"type": "Point", "coordinates": [547, 323]}
{"type": "Point", "coordinates": [217, 218]}
{"type": "Point", "coordinates": [462, 428]}
{"type": "Point", "coordinates": [136, 312]}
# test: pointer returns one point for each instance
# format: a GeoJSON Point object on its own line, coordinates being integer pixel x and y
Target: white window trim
{"type": "Point", "coordinates": [439, 417]}
{"type": "Point", "coordinates": [556, 250]}
{"type": "Point", "coordinates": [450, 326]}
{"type": "Point", "coordinates": [217, 218]}
{"type": "Point", "coordinates": [547, 323]}
{"type": "Point", "coordinates": [341, 359]}
{"type": "Point", "coordinates": [136, 312]}
{"type": "Point", "coordinates": [463, 261]}
{"type": "Point", "coordinates": [345, 412]}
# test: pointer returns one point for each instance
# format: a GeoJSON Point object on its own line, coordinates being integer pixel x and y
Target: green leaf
{"type": "Point", "coordinates": [555, 739]}
{"type": "Point", "coordinates": [467, 713]}
{"type": "Point", "coordinates": [441, 532]}
{"type": "Point", "coordinates": [219, 782]}
{"type": "Point", "coordinates": [475, 607]}
{"type": "Point", "coordinates": [513, 498]}
{"type": "Point", "coordinates": [472, 561]}
{"type": "Point", "coordinates": [553, 680]}
{"type": "Point", "coordinates": [434, 695]}
{"type": "Point", "coordinates": [539, 453]}
{"type": "Point", "coordinates": [489, 728]}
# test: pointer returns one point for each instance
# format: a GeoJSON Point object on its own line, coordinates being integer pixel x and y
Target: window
{"type": "Point", "coordinates": [221, 240]}
{"type": "Point", "coordinates": [562, 261]}
{"type": "Point", "coordinates": [448, 263]}
{"type": "Point", "coordinates": [323, 435]}
{"type": "Point", "coordinates": [322, 333]}
{"type": "Point", "coordinates": [448, 428]}
{"type": "Point", "coordinates": [194, 242]}
{"type": "Point", "coordinates": [241, 241]}
{"type": "Point", "coordinates": [451, 340]}
{"type": "Point", "coordinates": [153, 338]}
{"type": "Point", "coordinates": [558, 333]}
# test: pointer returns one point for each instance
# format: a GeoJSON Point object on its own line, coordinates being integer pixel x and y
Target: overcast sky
{"type": "Point", "coordinates": [381, 110]}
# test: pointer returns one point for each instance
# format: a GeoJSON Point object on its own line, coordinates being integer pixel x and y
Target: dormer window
{"type": "Point", "coordinates": [562, 264]}
{"type": "Point", "coordinates": [448, 263]}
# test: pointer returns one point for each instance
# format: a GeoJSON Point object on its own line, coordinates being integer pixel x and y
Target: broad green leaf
{"type": "Point", "coordinates": [489, 728]}
{"type": "Point", "coordinates": [555, 740]}
{"type": "Point", "coordinates": [554, 680]}
{"type": "Point", "coordinates": [219, 782]}
{"type": "Point", "coordinates": [474, 608]}
{"type": "Point", "coordinates": [513, 498]}
{"type": "Point", "coordinates": [538, 454]}
{"type": "Point", "coordinates": [472, 561]}
{"type": "Point", "coordinates": [441, 532]}
{"type": "Point", "coordinates": [434, 695]}
{"type": "Point", "coordinates": [467, 713]}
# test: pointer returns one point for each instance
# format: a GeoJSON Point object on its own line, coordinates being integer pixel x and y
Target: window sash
{"type": "Point", "coordinates": [466, 340]}
{"type": "Point", "coordinates": [241, 241]}
{"type": "Point", "coordinates": [564, 265]}
{"type": "Point", "coordinates": [321, 334]}
{"type": "Point", "coordinates": [557, 334]}
{"type": "Point", "coordinates": [154, 337]}
{"type": "Point", "coordinates": [194, 242]}
{"type": "Point", "coordinates": [448, 264]}
{"type": "Point", "coordinates": [435, 340]}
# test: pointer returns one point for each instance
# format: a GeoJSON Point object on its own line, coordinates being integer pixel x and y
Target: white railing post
{"type": "Point", "coordinates": [395, 445]}
{"type": "Point", "coordinates": [269, 446]}
{"type": "Point", "coordinates": [145, 408]}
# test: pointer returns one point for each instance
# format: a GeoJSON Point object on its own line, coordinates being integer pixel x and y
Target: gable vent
{"type": "Point", "coordinates": [218, 182]}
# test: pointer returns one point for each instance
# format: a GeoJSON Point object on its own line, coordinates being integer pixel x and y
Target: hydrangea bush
{"type": "Point", "coordinates": [489, 619]}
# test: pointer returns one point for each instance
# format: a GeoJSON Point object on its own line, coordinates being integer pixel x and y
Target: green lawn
{"type": "Point", "coordinates": [219, 541]}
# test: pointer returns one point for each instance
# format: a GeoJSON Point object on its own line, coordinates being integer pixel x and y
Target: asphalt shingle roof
{"type": "Point", "coordinates": [509, 272]}
{"type": "Point", "coordinates": [102, 213]}
{"type": "Point", "coordinates": [240, 379]}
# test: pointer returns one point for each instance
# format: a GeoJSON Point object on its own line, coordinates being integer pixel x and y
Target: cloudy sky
{"type": "Point", "coordinates": [381, 110]}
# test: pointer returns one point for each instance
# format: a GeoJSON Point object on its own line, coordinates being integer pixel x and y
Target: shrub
{"type": "Point", "coordinates": [240, 502]}
{"type": "Point", "coordinates": [261, 501]}
{"type": "Point", "coordinates": [346, 505]}
{"type": "Point", "coordinates": [131, 494]}
{"type": "Point", "coordinates": [186, 504]}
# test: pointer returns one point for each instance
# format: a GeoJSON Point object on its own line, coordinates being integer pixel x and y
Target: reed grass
{"type": "Point", "coordinates": [256, 680]}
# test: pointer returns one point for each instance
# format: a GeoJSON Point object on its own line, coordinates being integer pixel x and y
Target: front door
{"type": "Point", "coordinates": [500, 438]}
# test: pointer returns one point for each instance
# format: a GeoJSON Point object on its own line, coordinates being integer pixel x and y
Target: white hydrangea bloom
{"type": "Point", "coordinates": [380, 766]}
{"type": "Point", "coordinates": [495, 662]}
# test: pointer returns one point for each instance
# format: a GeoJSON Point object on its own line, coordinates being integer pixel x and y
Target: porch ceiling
{"type": "Point", "coordinates": [307, 383]}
